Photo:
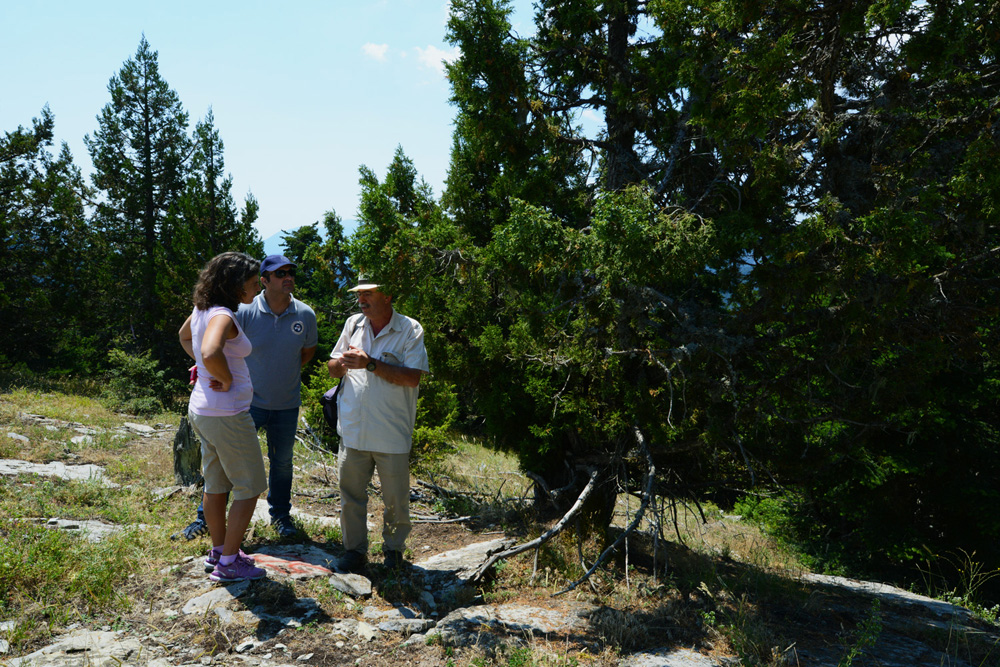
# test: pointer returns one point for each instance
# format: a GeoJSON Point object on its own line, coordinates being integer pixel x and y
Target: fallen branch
{"type": "Point", "coordinates": [318, 443]}
{"type": "Point", "coordinates": [635, 522]}
{"type": "Point", "coordinates": [542, 539]}
{"type": "Point", "coordinates": [319, 447]}
{"type": "Point", "coordinates": [448, 493]}
{"type": "Point", "coordinates": [456, 520]}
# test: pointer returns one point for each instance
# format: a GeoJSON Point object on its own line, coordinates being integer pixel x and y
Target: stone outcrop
{"type": "Point", "coordinates": [187, 455]}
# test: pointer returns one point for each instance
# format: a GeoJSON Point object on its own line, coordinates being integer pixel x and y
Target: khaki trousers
{"type": "Point", "coordinates": [355, 468]}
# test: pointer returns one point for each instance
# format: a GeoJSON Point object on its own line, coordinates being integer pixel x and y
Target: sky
{"type": "Point", "coordinates": [303, 92]}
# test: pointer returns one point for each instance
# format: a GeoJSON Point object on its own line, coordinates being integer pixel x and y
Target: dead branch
{"type": "Point", "coordinates": [318, 447]}
{"type": "Point", "coordinates": [448, 493]}
{"type": "Point", "coordinates": [545, 537]}
{"type": "Point", "coordinates": [647, 496]}
{"type": "Point", "coordinates": [552, 494]}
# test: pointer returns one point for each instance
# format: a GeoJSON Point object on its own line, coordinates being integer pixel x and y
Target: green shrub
{"type": "Point", "coordinates": [437, 410]}
{"type": "Point", "coordinates": [789, 519]}
{"type": "Point", "coordinates": [136, 385]}
{"type": "Point", "coordinates": [313, 387]}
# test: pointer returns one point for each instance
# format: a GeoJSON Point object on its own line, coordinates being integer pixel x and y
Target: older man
{"type": "Point", "coordinates": [380, 358]}
{"type": "Point", "coordinates": [283, 333]}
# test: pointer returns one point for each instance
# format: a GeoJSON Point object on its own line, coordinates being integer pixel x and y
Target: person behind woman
{"type": "Point", "coordinates": [219, 410]}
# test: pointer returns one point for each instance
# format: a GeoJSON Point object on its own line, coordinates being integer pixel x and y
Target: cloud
{"type": "Point", "coordinates": [434, 58]}
{"type": "Point", "coordinates": [375, 51]}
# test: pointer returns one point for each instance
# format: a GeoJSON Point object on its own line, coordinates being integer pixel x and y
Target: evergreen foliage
{"type": "Point", "coordinates": [49, 278]}
{"type": "Point", "coordinates": [778, 273]}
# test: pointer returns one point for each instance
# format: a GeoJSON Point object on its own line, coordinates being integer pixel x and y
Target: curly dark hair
{"type": "Point", "coordinates": [221, 282]}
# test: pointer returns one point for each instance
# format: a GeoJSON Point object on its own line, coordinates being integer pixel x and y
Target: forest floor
{"type": "Point", "coordinates": [719, 588]}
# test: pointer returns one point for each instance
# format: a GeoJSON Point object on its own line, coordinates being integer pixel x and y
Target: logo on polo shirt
{"type": "Point", "coordinates": [298, 327]}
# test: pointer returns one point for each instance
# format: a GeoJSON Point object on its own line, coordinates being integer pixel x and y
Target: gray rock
{"type": "Point", "coordinates": [81, 473]}
{"type": "Point", "coordinates": [354, 585]}
{"type": "Point", "coordinates": [246, 646]}
{"type": "Point", "coordinates": [83, 648]}
{"type": "Point", "coordinates": [91, 530]}
{"type": "Point", "coordinates": [187, 455]}
{"type": "Point", "coordinates": [366, 632]}
{"type": "Point", "coordinates": [670, 657]}
{"type": "Point", "coordinates": [407, 626]}
{"type": "Point", "coordinates": [486, 624]}
{"type": "Point", "coordinates": [890, 594]}
{"type": "Point", "coordinates": [452, 569]}
{"type": "Point", "coordinates": [397, 612]}
{"type": "Point", "coordinates": [166, 492]}
{"type": "Point", "coordinates": [262, 515]}
{"type": "Point", "coordinates": [217, 597]}
{"type": "Point", "coordinates": [141, 429]}
{"type": "Point", "coordinates": [18, 437]}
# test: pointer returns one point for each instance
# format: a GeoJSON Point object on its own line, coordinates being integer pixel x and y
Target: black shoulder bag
{"type": "Point", "coordinates": [328, 401]}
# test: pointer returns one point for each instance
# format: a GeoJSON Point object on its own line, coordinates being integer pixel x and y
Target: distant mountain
{"type": "Point", "coordinates": [272, 244]}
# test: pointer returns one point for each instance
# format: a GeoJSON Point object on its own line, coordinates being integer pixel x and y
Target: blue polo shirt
{"type": "Point", "coordinates": [276, 360]}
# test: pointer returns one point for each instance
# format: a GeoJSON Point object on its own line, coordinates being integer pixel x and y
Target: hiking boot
{"type": "Point", "coordinates": [394, 559]}
{"type": "Point", "coordinates": [351, 561]}
{"type": "Point", "coordinates": [240, 569]}
{"type": "Point", "coordinates": [212, 559]}
{"type": "Point", "coordinates": [196, 528]}
{"type": "Point", "coordinates": [284, 527]}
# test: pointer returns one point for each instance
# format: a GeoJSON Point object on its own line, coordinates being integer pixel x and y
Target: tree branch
{"type": "Point", "coordinates": [542, 539]}
{"type": "Point", "coordinates": [647, 496]}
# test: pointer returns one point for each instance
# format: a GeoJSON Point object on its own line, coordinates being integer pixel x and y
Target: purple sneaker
{"type": "Point", "coordinates": [212, 559]}
{"type": "Point", "coordinates": [239, 570]}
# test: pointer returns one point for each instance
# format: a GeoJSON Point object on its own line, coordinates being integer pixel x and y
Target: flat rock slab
{"type": "Point", "coordinates": [295, 561]}
{"type": "Point", "coordinates": [90, 530]}
{"type": "Point", "coordinates": [83, 648]}
{"type": "Point", "coordinates": [485, 625]}
{"type": "Point", "coordinates": [890, 594]}
{"type": "Point", "coordinates": [673, 657]}
{"type": "Point", "coordinates": [262, 514]}
{"type": "Point", "coordinates": [80, 473]}
{"type": "Point", "coordinates": [451, 569]}
{"type": "Point", "coordinates": [217, 597]}
{"type": "Point", "coordinates": [354, 585]}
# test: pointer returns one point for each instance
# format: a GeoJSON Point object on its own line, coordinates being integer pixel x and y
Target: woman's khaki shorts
{"type": "Point", "coordinates": [231, 461]}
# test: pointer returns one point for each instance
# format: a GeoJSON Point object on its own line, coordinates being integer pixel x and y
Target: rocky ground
{"type": "Point", "coordinates": [306, 613]}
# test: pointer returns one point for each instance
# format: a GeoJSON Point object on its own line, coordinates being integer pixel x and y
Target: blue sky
{"type": "Point", "coordinates": [303, 93]}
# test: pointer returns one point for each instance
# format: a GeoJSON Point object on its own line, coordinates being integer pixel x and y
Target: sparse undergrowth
{"type": "Point", "coordinates": [723, 586]}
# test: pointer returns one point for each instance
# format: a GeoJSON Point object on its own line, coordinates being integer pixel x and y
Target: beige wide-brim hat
{"type": "Point", "coordinates": [365, 282]}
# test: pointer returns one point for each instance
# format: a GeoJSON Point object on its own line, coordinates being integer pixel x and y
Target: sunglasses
{"type": "Point", "coordinates": [281, 273]}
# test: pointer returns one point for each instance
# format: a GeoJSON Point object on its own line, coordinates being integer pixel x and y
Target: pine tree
{"type": "Point", "coordinates": [141, 153]}
{"type": "Point", "coordinates": [50, 262]}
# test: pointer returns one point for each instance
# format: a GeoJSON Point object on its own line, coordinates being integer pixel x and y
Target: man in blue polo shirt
{"type": "Point", "coordinates": [283, 333]}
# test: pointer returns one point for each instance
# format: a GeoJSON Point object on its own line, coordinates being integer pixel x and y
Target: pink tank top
{"type": "Point", "coordinates": [205, 401]}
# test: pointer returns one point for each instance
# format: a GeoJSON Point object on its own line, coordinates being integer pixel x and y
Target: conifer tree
{"type": "Point", "coordinates": [141, 154]}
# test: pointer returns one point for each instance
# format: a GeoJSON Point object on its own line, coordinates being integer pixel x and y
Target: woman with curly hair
{"type": "Point", "coordinates": [219, 410]}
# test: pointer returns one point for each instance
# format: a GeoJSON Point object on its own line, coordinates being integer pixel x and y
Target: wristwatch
{"type": "Point", "coordinates": [370, 366]}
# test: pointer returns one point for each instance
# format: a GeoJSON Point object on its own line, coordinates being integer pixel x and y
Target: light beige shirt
{"type": "Point", "coordinates": [373, 414]}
